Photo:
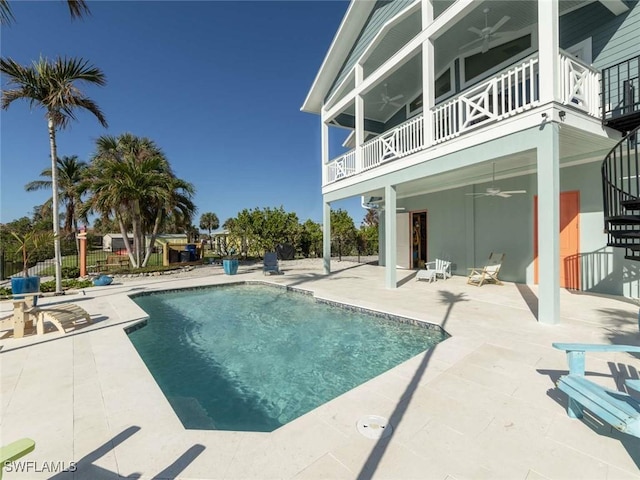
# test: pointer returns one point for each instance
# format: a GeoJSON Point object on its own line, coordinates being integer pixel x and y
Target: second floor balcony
{"type": "Point", "coordinates": [506, 94]}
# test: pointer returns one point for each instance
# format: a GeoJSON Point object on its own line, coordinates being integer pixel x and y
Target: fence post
{"type": "Point", "coordinates": [82, 236]}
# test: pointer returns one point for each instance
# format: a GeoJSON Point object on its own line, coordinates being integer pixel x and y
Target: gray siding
{"type": "Point", "coordinates": [614, 39]}
{"type": "Point", "coordinates": [383, 11]}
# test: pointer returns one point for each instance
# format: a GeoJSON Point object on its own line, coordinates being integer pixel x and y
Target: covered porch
{"type": "Point", "coordinates": [467, 220]}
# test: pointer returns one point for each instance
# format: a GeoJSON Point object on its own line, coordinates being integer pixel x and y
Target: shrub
{"type": "Point", "coordinates": [50, 286]}
{"type": "Point", "coordinates": [70, 272]}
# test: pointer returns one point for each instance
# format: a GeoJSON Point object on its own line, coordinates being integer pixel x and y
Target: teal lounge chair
{"type": "Point", "coordinates": [271, 263]}
{"type": "Point", "coordinates": [618, 409]}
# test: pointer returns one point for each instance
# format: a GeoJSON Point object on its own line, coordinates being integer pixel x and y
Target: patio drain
{"type": "Point", "coordinates": [374, 426]}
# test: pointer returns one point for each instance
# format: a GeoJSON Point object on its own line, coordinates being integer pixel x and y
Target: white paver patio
{"type": "Point", "coordinates": [480, 405]}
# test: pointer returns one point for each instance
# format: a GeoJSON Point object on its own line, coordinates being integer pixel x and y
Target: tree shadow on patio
{"type": "Point", "coordinates": [85, 467]}
{"type": "Point", "coordinates": [377, 452]}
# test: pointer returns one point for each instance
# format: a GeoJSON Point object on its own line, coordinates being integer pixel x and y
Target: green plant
{"type": "Point", "coordinates": [30, 243]}
{"type": "Point", "coordinates": [70, 272]}
{"type": "Point", "coordinates": [50, 286]}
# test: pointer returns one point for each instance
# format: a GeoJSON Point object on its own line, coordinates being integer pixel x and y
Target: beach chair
{"type": "Point", "coordinates": [617, 408]}
{"type": "Point", "coordinates": [488, 273]}
{"type": "Point", "coordinates": [62, 316]}
{"type": "Point", "coordinates": [24, 313]}
{"type": "Point", "coordinates": [434, 269]}
{"type": "Point", "coordinates": [270, 263]}
{"type": "Point", "coordinates": [14, 451]}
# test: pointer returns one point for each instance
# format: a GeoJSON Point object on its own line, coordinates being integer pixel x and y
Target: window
{"type": "Point", "coordinates": [415, 106]}
{"type": "Point", "coordinates": [481, 64]}
{"type": "Point", "coordinates": [444, 84]}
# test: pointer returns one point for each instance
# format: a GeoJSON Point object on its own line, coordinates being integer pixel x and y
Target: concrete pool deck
{"type": "Point", "coordinates": [481, 405]}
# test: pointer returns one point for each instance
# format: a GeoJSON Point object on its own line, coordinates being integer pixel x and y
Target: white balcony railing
{"type": "Point", "coordinates": [509, 93]}
{"type": "Point", "coordinates": [403, 140]}
{"type": "Point", "coordinates": [579, 84]}
{"type": "Point", "coordinates": [343, 166]}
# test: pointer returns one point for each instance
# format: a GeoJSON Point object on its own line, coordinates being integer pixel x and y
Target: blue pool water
{"type": "Point", "coordinates": [253, 357]}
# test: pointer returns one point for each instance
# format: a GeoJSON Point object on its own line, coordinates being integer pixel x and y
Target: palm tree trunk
{"type": "Point", "coordinates": [152, 240]}
{"type": "Point", "coordinates": [54, 197]}
{"type": "Point", "coordinates": [125, 238]}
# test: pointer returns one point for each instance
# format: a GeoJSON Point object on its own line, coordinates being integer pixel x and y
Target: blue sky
{"type": "Point", "coordinates": [217, 85]}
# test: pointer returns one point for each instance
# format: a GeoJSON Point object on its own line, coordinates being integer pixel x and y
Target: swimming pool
{"type": "Point", "coordinates": [254, 357]}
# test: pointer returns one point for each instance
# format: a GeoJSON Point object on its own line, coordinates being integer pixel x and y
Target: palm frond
{"type": "Point", "coordinates": [78, 8]}
{"type": "Point", "coordinates": [6, 15]}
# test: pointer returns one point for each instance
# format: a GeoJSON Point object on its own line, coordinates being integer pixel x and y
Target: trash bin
{"type": "Point", "coordinates": [192, 249]}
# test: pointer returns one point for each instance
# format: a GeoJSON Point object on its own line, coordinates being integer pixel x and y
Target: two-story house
{"type": "Point", "coordinates": [482, 126]}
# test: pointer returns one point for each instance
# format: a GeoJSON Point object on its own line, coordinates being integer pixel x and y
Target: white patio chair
{"type": "Point", "coordinates": [433, 270]}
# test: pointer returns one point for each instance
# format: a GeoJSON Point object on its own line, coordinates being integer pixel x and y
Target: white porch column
{"type": "Point", "coordinates": [427, 13]}
{"type": "Point", "coordinates": [359, 104]}
{"type": "Point", "coordinates": [324, 148]}
{"type": "Point", "coordinates": [549, 50]}
{"type": "Point", "coordinates": [326, 237]}
{"type": "Point", "coordinates": [549, 225]}
{"type": "Point", "coordinates": [390, 236]}
{"type": "Point", "coordinates": [428, 99]}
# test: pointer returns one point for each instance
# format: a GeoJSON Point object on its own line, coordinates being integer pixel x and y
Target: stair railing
{"type": "Point", "coordinates": [620, 184]}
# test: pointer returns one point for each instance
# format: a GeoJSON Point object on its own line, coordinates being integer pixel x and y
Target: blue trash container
{"type": "Point", "coordinates": [191, 248]}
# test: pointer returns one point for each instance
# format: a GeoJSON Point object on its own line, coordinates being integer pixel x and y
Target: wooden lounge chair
{"type": "Point", "coordinates": [14, 451]}
{"type": "Point", "coordinates": [488, 273]}
{"type": "Point", "coordinates": [434, 269]}
{"type": "Point", "coordinates": [62, 316]}
{"type": "Point", "coordinates": [616, 408]}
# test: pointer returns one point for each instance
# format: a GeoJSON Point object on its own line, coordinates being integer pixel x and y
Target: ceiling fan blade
{"type": "Point", "coordinates": [398, 105]}
{"type": "Point", "coordinates": [397, 97]}
{"type": "Point", "coordinates": [501, 22]}
{"type": "Point", "coordinates": [477, 194]}
{"type": "Point", "coordinates": [471, 43]}
{"type": "Point", "coordinates": [502, 194]}
{"type": "Point", "coordinates": [515, 191]}
{"type": "Point", "coordinates": [475, 30]}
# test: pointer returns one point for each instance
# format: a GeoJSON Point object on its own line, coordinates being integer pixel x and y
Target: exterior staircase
{"type": "Point", "coordinates": [621, 167]}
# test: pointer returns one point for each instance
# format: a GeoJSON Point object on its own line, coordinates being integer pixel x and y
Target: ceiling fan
{"type": "Point", "coordinates": [494, 191]}
{"type": "Point", "coordinates": [487, 33]}
{"type": "Point", "coordinates": [385, 99]}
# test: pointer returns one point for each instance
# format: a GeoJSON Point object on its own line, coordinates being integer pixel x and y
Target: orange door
{"type": "Point", "coordinates": [569, 240]}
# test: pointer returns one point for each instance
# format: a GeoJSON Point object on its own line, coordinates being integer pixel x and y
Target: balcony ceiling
{"type": "Point", "coordinates": [406, 81]}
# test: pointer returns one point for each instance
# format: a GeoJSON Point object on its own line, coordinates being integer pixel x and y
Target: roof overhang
{"type": "Point", "coordinates": [616, 7]}
{"type": "Point", "coordinates": [351, 26]}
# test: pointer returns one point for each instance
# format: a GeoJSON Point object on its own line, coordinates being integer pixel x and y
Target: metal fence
{"type": "Point", "coordinates": [70, 264]}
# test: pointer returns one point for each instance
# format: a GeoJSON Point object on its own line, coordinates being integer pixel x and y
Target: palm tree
{"type": "Point", "coordinates": [52, 85]}
{"type": "Point", "coordinates": [129, 179]}
{"type": "Point", "coordinates": [70, 188]}
{"type": "Point", "coordinates": [209, 221]}
{"type": "Point", "coordinates": [77, 9]}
